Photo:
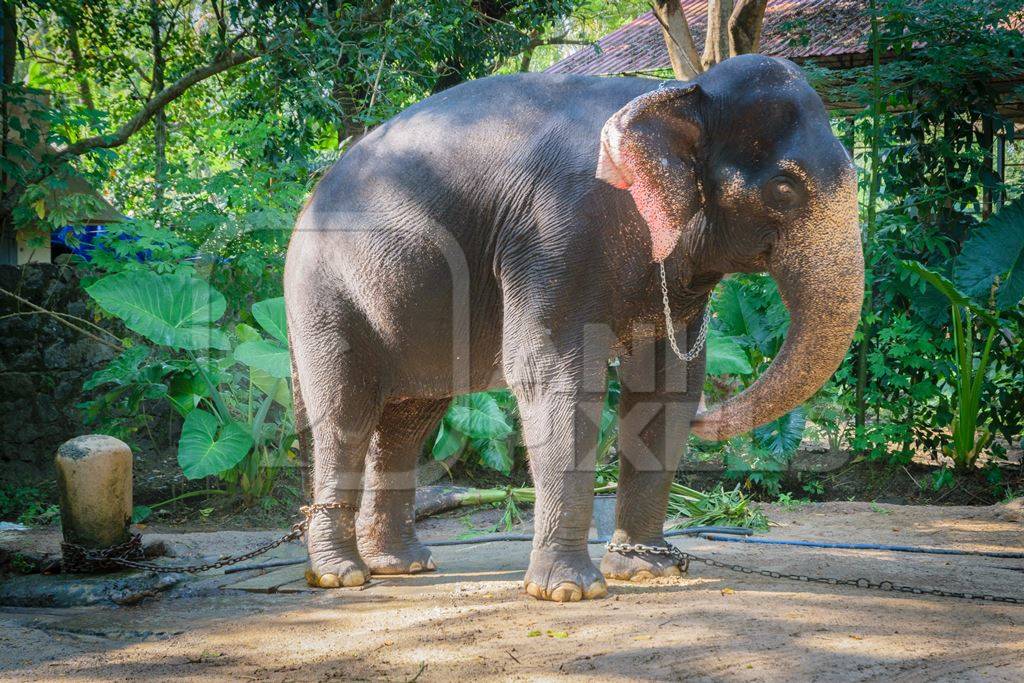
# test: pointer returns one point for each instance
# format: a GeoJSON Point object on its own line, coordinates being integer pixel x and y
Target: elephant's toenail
{"type": "Point", "coordinates": [598, 589]}
{"type": "Point", "coordinates": [353, 578]}
{"type": "Point", "coordinates": [430, 565]}
{"type": "Point", "coordinates": [329, 581]}
{"type": "Point", "coordinates": [535, 590]}
{"type": "Point", "coordinates": [567, 592]}
{"type": "Point", "coordinates": [642, 575]}
{"type": "Point", "coordinates": [311, 578]}
{"type": "Point", "coordinates": [415, 567]}
{"type": "Point", "coordinates": [672, 571]}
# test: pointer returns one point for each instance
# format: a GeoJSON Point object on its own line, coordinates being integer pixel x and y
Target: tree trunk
{"type": "Point", "coordinates": [9, 30]}
{"type": "Point", "coordinates": [734, 28]}
{"type": "Point", "coordinates": [745, 25]}
{"type": "Point", "coordinates": [874, 186]}
{"type": "Point", "coordinates": [84, 91]}
{"type": "Point", "coordinates": [682, 52]}
{"type": "Point", "coordinates": [716, 42]}
{"type": "Point", "coordinates": [160, 118]}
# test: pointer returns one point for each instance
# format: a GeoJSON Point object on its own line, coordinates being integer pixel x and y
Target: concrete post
{"type": "Point", "coordinates": [94, 478]}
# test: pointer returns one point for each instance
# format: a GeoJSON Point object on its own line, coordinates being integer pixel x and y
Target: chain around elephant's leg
{"type": "Point", "coordinates": [659, 398]}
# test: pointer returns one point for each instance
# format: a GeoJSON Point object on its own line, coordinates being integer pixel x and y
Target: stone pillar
{"type": "Point", "coordinates": [94, 478]}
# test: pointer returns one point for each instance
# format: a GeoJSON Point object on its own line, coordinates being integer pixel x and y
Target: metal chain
{"type": "Point", "coordinates": [670, 328]}
{"type": "Point", "coordinates": [684, 558]}
{"type": "Point", "coordinates": [81, 559]}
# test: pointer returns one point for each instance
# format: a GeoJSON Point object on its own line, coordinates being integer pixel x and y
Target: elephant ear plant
{"type": "Point", "coordinates": [236, 424]}
{"type": "Point", "coordinates": [987, 281]}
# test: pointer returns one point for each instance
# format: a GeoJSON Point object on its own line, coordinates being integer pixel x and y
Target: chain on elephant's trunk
{"type": "Point", "coordinates": [78, 559]}
{"type": "Point", "coordinates": [684, 558]}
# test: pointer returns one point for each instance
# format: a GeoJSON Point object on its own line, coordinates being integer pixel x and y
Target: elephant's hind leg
{"type": "Point", "coordinates": [387, 536]}
{"type": "Point", "coordinates": [342, 407]}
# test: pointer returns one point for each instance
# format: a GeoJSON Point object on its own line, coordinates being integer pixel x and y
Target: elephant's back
{"type": "Point", "coordinates": [478, 145]}
{"type": "Point", "coordinates": [406, 223]}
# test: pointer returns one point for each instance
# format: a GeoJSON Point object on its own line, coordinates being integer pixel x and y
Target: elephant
{"type": "Point", "coordinates": [522, 230]}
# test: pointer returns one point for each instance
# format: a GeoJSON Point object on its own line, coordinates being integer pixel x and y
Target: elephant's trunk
{"type": "Point", "coordinates": [819, 268]}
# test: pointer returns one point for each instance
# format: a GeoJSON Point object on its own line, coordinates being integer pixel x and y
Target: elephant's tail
{"type": "Point", "coordinates": [302, 430]}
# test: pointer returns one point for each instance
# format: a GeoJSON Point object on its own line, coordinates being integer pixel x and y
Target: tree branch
{"type": "Point", "coordinates": [158, 101]}
{"type": "Point", "coordinates": [65, 319]}
{"type": "Point", "coordinates": [682, 52]}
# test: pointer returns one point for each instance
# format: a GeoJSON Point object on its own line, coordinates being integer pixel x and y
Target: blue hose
{"type": "Point", "coordinates": [499, 538]}
{"type": "Point", "coordinates": [863, 546]}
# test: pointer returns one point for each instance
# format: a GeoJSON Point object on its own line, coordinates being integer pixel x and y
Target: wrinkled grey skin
{"type": "Point", "coordinates": [502, 233]}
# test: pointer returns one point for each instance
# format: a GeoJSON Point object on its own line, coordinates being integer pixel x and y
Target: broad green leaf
{"type": "Point", "coordinates": [272, 386]}
{"type": "Point", "coordinates": [782, 435]}
{"type": "Point", "coordinates": [479, 416]}
{"type": "Point", "coordinates": [944, 285]}
{"type": "Point", "coordinates": [206, 448]}
{"type": "Point", "coordinates": [263, 355]}
{"type": "Point", "coordinates": [185, 391]}
{"type": "Point", "coordinates": [173, 310]}
{"type": "Point", "coordinates": [938, 281]}
{"type": "Point", "coordinates": [995, 249]}
{"type": "Point", "coordinates": [271, 317]}
{"type": "Point", "coordinates": [247, 333]}
{"type": "Point", "coordinates": [494, 453]}
{"type": "Point", "coordinates": [140, 513]}
{"type": "Point", "coordinates": [124, 369]}
{"type": "Point", "coordinates": [725, 356]}
{"type": "Point", "coordinates": [447, 443]}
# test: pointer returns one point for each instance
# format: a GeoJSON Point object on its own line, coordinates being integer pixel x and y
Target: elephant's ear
{"type": "Point", "coordinates": [649, 147]}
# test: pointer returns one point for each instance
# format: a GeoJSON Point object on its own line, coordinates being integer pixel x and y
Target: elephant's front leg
{"type": "Point", "coordinates": [560, 429]}
{"type": "Point", "coordinates": [659, 398]}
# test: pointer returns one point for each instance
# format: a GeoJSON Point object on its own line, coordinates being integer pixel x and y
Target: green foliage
{"type": "Point", "coordinates": [782, 436]}
{"type": "Point", "coordinates": [27, 504]}
{"type": "Point", "coordinates": [207, 447]}
{"type": "Point", "coordinates": [922, 141]}
{"type": "Point", "coordinates": [172, 310]}
{"type": "Point", "coordinates": [725, 356]}
{"type": "Point", "coordinates": [483, 422]}
{"type": "Point", "coordinates": [970, 438]}
{"type": "Point", "coordinates": [993, 258]}
{"type": "Point", "coordinates": [231, 428]}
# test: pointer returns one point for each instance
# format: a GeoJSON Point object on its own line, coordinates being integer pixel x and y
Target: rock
{"type": "Point", "coordinates": [94, 478]}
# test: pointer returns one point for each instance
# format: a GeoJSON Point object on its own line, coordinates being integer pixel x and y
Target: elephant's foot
{"type": "Point", "coordinates": [634, 567]}
{"type": "Point", "coordinates": [333, 562]}
{"type": "Point", "coordinates": [346, 573]}
{"type": "Point", "coordinates": [563, 576]}
{"type": "Point", "coordinates": [406, 558]}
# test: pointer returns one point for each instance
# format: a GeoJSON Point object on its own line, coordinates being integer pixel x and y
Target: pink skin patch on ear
{"type": "Point", "coordinates": [664, 232]}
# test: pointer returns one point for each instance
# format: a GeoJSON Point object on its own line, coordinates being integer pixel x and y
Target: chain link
{"type": "Point", "coordinates": [684, 558]}
{"type": "Point", "coordinates": [670, 328]}
{"type": "Point", "coordinates": [78, 559]}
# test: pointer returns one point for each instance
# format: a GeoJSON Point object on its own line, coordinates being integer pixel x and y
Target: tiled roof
{"type": "Point", "coordinates": [795, 29]}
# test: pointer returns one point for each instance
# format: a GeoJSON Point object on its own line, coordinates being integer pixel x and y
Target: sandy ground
{"type": "Point", "coordinates": [470, 620]}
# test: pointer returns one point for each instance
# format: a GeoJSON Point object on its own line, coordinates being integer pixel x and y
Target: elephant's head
{"type": "Point", "coordinates": [738, 171]}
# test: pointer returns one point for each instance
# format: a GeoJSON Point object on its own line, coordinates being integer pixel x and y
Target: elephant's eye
{"type": "Point", "coordinates": [783, 192]}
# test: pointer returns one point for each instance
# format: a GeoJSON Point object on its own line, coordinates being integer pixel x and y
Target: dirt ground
{"type": "Point", "coordinates": [470, 620]}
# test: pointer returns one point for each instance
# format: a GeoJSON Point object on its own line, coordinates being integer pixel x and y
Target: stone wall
{"type": "Point", "coordinates": [42, 367]}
